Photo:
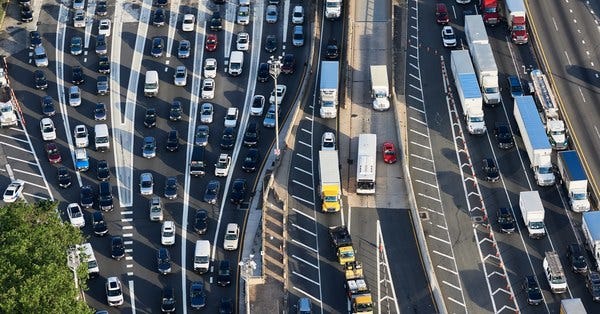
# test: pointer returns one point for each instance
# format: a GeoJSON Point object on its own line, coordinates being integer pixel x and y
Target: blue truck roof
{"type": "Point", "coordinates": [573, 164]}
{"type": "Point", "coordinates": [469, 84]}
{"type": "Point", "coordinates": [592, 220]}
{"type": "Point", "coordinates": [533, 122]}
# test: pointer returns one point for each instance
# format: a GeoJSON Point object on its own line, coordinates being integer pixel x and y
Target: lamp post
{"type": "Point", "coordinates": [248, 266]}
{"type": "Point", "coordinates": [73, 263]}
{"type": "Point", "coordinates": [274, 71]}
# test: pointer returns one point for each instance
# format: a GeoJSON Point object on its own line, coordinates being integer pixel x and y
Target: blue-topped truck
{"type": "Point", "coordinates": [590, 226]}
{"type": "Point", "coordinates": [467, 87]}
{"type": "Point", "coordinates": [555, 127]}
{"type": "Point", "coordinates": [575, 180]}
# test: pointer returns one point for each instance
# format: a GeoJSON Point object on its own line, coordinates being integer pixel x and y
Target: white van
{"type": "Point", "coordinates": [236, 63]}
{"type": "Point", "coordinates": [87, 256]}
{"type": "Point", "coordinates": [202, 256]}
{"type": "Point", "coordinates": [151, 84]}
{"type": "Point", "coordinates": [101, 137]}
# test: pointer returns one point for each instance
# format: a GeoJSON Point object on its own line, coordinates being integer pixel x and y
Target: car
{"type": "Point", "coordinates": [13, 191]}
{"type": "Point", "coordinates": [101, 8]}
{"type": "Point", "coordinates": [211, 42]}
{"type": "Point", "coordinates": [281, 89]}
{"type": "Point", "coordinates": [184, 49]}
{"type": "Point", "coordinates": [100, 112]}
{"type": "Point", "coordinates": [64, 177]}
{"type": "Point", "coordinates": [40, 57]}
{"type": "Point", "coordinates": [225, 306]}
{"type": "Point", "coordinates": [201, 136]}
{"type": "Point", "coordinates": [505, 220]}
{"type": "Point", "coordinates": [53, 153]}
{"type": "Point", "coordinates": [242, 42]}
{"type": "Point", "coordinates": [441, 14]}
{"type": "Point", "coordinates": [224, 273]}
{"type": "Point", "coordinates": [197, 296]}
{"type": "Point", "coordinates": [161, 3]}
{"type": "Point", "coordinates": [232, 237]}
{"type": "Point", "coordinates": [167, 304]}
{"type": "Point", "coordinates": [208, 88]}
{"type": "Point", "coordinates": [188, 23]}
{"type": "Point", "coordinates": [251, 135]}
{"type": "Point", "coordinates": [114, 293]}
{"type": "Point", "coordinates": [271, 16]}
{"type": "Point", "coordinates": [389, 153]}
{"type": "Point", "coordinates": [159, 17]}
{"type": "Point", "coordinates": [243, 15]}
{"type": "Point", "coordinates": [102, 170]}
{"type": "Point", "coordinates": [149, 147]}
{"type": "Point", "coordinates": [146, 184]}
{"type": "Point", "coordinates": [104, 27]}
{"type": "Point", "coordinates": [82, 161]}
{"type": "Point", "coordinates": [577, 258]}
{"type": "Point", "coordinates": [532, 288]}
{"type": "Point", "coordinates": [298, 36]}
{"type": "Point", "coordinates": [263, 72]}
{"type": "Point", "coordinates": [490, 170]}
{"type": "Point", "coordinates": [269, 120]}
{"type": "Point", "coordinates": [156, 49]}
{"type": "Point", "coordinates": [167, 233]}
{"type": "Point", "coordinates": [212, 191]}
{"type": "Point", "coordinates": [304, 306]}
{"type": "Point", "coordinates": [228, 138]}
{"type": "Point", "coordinates": [238, 191]}
{"type": "Point", "coordinates": [328, 142]}
{"type": "Point", "coordinates": [288, 63]}
{"type": "Point", "coordinates": [105, 198]}
{"type": "Point", "coordinates": [216, 23]}
{"type": "Point", "coordinates": [258, 105]}
{"type": "Point", "coordinates": [206, 113]}
{"type": "Point", "coordinates": [298, 15]}
{"type": "Point", "coordinates": [48, 130]}
{"type": "Point", "coordinates": [201, 221]}
{"type": "Point", "coordinates": [79, 19]}
{"type": "Point", "coordinates": [40, 80]}
{"type": "Point", "coordinates": [210, 68]}
{"type": "Point", "coordinates": [250, 163]}
{"type": "Point", "coordinates": [86, 196]}
{"type": "Point", "coordinates": [231, 118]}
{"type": "Point", "coordinates": [271, 43]}
{"type": "Point", "coordinates": [99, 224]}
{"type": "Point", "coordinates": [448, 36]}
{"type": "Point", "coordinates": [592, 283]}
{"type": "Point", "coordinates": [163, 261]}
{"type": "Point", "coordinates": [76, 45]}
{"type": "Point", "coordinates": [101, 45]}
{"type": "Point", "coordinates": [103, 65]}
{"type": "Point", "coordinates": [155, 209]}
{"type": "Point", "coordinates": [514, 85]}
{"type": "Point", "coordinates": [117, 248]}
{"type": "Point", "coordinates": [503, 136]}
{"type": "Point", "coordinates": [173, 140]}
{"type": "Point", "coordinates": [26, 14]}
{"type": "Point", "coordinates": [77, 76]}
{"type": "Point", "coordinates": [102, 85]}
{"type": "Point", "coordinates": [176, 111]}
{"type": "Point", "coordinates": [74, 96]}
{"type": "Point", "coordinates": [222, 165]}
{"type": "Point", "coordinates": [35, 39]}
{"type": "Point", "coordinates": [80, 133]}
{"type": "Point", "coordinates": [150, 118]}
{"type": "Point", "coordinates": [48, 108]}
{"type": "Point", "coordinates": [171, 188]}
{"type": "Point", "coordinates": [180, 76]}
{"type": "Point", "coordinates": [78, 4]}
{"type": "Point", "coordinates": [75, 215]}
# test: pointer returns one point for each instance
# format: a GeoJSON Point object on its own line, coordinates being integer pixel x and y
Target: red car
{"type": "Point", "coordinates": [211, 42]}
{"type": "Point", "coordinates": [54, 156]}
{"type": "Point", "coordinates": [389, 153]}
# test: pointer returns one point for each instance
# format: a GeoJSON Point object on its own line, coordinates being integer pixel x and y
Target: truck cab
{"type": "Point", "coordinates": [341, 240]}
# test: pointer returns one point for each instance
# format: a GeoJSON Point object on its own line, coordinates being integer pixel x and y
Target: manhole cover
{"type": "Point", "coordinates": [424, 215]}
{"type": "Point", "coordinates": [477, 219]}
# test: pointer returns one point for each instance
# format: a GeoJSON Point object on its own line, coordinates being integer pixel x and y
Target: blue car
{"type": "Point", "coordinates": [516, 89]}
{"type": "Point", "coordinates": [82, 162]}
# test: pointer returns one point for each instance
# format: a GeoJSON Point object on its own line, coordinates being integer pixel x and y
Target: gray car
{"type": "Point", "coordinates": [298, 37]}
{"type": "Point", "coordinates": [149, 148]}
{"type": "Point", "coordinates": [272, 15]}
{"type": "Point", "coordinates": [201, 138]}
{"type": "Point", "coordinates": [102, 85]}
{"type": "Point", "coordinates": [212, 192]}
{"type": "Point", "coordinates": [146, 184]}
{"type": "Point", "coordinates": [155, 209]}
{"type": "Point", "coordinates": [183, 51]}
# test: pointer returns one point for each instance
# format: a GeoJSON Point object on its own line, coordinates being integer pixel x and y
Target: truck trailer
{"type": "Point", "coordinates": [330, 185]}
{"type": "Point", "coordinates": [590, 226]}
{"type": "Point", "coordinates": [572, 306]}
{"type": "Point", "coordinates": [555, 127]}
{"type": "Point", "coordinates": [575, 180]}
{"type": "Point", "coordinates": [515, 14]}
{"type": "Point", "coordinates": [554, 273]}
{"type": "Point", "coordinates": [357, 291]}
{"type": "Point", "coordinates": [465, 80]}
{"type": "Point", "coordinates": [328, 92]}
{"type": "Point", "coordinates": [532, 211]}
{"type": "Point", "coordinates": [380, 87]}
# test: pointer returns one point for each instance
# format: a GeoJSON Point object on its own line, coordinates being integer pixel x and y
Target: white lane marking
{"type": "Point", "coordinates": [89, 16]}
{"type": "Point", "coordinates": [229, 23]}
{"type": "Point", "coordinates": [128, 242]}
{"type": "Point", "coordinates": [304, 246]}
{"type": "Point", "coordinates": [581, 93]}
{"type": "Point", "coordinates": [308, 118]}
{"type": "Point", "coordinates": [308, 295]}
{"type": "Point", "coordinates": [416, 109]}
{"type": "Point", "coordinates": [415, 77]}
{"type": "Point", "coordinates": [421, 157]}
{"type": "Point", "coordinates": [418, 121]}
{"type": "Point", "coordinates": [420, 145]}
{"type": "Point", "coordinates": [304, 171]}
{"type": "Point", "coordinates": [173, 19]}
{"type": "Point", "coordinates": [426, 183]}
{"type": "Point", "coordinates": [381, 249]}
{"type": "Point", "coordinates": [303, 200]}
{"type": "Point", "coordinates": [455, 301]}
{"type": "Point", "coordinates": [132, 296]}
{"type": "Point", "coordinates": [286, 18]}
{"type": "Point", "coordinates": [554, 22]}
{"type": "Point", "coordinates": [17, 147]}
{"type": "Point", "coordinates": [430, 197]}
{"type": "Point", "coordinates": [29, 173]}
{"type": "Point", "coordinates": [442, 254]}
{"type": "Point", "coordinates": [442, 227]}
{"type": "Point", "coordinates": [126, 219]}
{"type": "Point", "coordinates": [20, 160]}
{"type": "Point", "coordinates": [303, 214]}
{"type": "Point", "coordinates": [419, 133]}
{"type": "Point", "coordinates": [129, 266]}
{"type": "Point", "coordinates": [33, 184]}
{"type": "Point", "coordinates": [304, 185]}
{"type": "Point", "coordinates": [438, 239]}
{"type": "Point", "coordinates": [306, 231]}
{"type": "Point", "coordinates": [127, 235]}
{"type": "Point", "coordinates": [451, 285]}
{"type": "Point", "coordinates": [127, 212]}
{"type": "Point", "coordinates": [127, 227]}
{"type": "Point", "coordinates": [423, 170]}
{"type": "Point", "coordinates": [306, 131]}
{"type": "Point", "coordinates": [306, 278]}
{"type": "Point", "coordinates": [35, 196]}
{"type": "Point", "coordinates": [129, 273]}
{"type": "Point", "coordinates": [14, 138]}
{"type": "Point", "coordinates": [305, 261]}
{"type": "Point", "coordinates": [300, 155]}
{"type": "Point", "coordinates": [597, 132]}
{"type": "Point", "coordinates": [568, 59]}
{"type": "Point", "coordinates": [447, 269]}
{"type": "Point", "coordinates": [305, 144]}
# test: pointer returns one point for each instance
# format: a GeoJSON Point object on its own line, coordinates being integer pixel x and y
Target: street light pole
{"type": "Point", "coordinates": [73, 263]}
{"type": "Point", "coordinates": [274, 71]}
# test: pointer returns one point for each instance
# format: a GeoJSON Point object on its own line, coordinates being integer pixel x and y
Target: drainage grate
{"type": "Point", "coordinates": [424, 215]}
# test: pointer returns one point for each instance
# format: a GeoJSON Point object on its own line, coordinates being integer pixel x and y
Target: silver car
{"type": "Point", "coordinates": [146, 184]}
{"type": "Point", "coordinates": [74, 96]}
{"type": "Point", "coordinates": [272, 15]}
{"type": "Point", "coordinates": [243, 16]}
{"type": "Point", "coordinates": [102, 85]}
{"type": "Point", "coordinates": [206, 113]}
{"type": "Point", "coordinates": [180, 76]}
{"type": "Point", "coordinates": [155, 209]}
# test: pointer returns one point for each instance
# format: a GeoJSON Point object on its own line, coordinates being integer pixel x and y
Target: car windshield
{"type": "Point", "coordinates": [389, 152]}
{"type": "Point", "coordinates": [230, 237]}
{"type": "Point", "coordinates": [168, 233]}
{"type": "Point", "coordinates": [9, 192]}
{"type": "Point", "coordinates": [114, 293]}
{"type": "Point", "coordinates": [146, 184]}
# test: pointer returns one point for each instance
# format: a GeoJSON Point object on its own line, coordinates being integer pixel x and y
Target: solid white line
{"type": "Point", "coordinates": [304, 185]}
{"type": "Point", "coordinates": [127, 227]}
{"type": "Point", "coordinates": [305, 262]}
{"type": "Point", "coordinates": [129, 266]}
{"type": "Point", "coordinates": [36, 185]}
{"type": "Point", "coordinates": [305, 144]}
{"type": "Point", "coordinates": [20, 160]}
{"type": "Point", "coordinates": [444, 255]}
{"type": "Point", "coordinates": [301, 228]}
{"type": "Point", "coordinates": [416, 87]}
{"type": "Point", "coordinates": [451, 285]}
{"type": "Point", "coordinates": [419, 133]}
{"type": "Point", "coordinates": [89, 16]}
{"type": "Point", "coordinates": [421, 157]}
{"type": "Point", "coordinates": [128, 242]}
{"type": "Point", "coordinates": [441, 227]}
{"type": "Point", "coordinates": [305, 278]}
{"type": "Point", "coordinates": [303, 200]}
{"type": "Point", "coordinates": [304, 171]}
{"type": "Point", "coordinates": [418, 121]}
{"type": "Point", "coordinates": [127, 235]}
{"type": "Point", "coordinates": [428, 184]}
{"type": "Point", "coordinates": [308, 118]}
{"type": "Point", "coordinates": [416, 68]}
{"type": "Point", "coordinates": [415, 77]}
{"type": "Point", "coordinates": [132, 295]}
{"type": "Point", "coordinates": [127, 212]}
{"type": "Point", "coordinates": [126, 219]}
{"type": "Point", "coordinates": [455, 301]}
{"type": "Point", "coordinates": [304, 245]}
{"type": "Point", "coordinates": [416, 98]}
{"type": "Point", "coordinates": [441, 240]}
{"type": "Point", "coordinates": [303, 214]}
{"type": "Point", "coordinates": [423, 170]}
{"type": "Point", "coordinates": [17, 147]}
{"type": "Point", "coordinates": [17, 129]}
{"type": "Point", "coordinates": [300, 155]}
{"type": "Point", "coordinates": [416, 109]}
{"type": "Point", "coordinates": [29, 173]}
{"type": "Point", "coordinates": [446, 269]}
{"type": "Point", "coordinates": [429, 197]}
{"type": "Point", "coordinates": [14, 138]}
{"type": "Point", "coordinates": [173, 19]}
{"type": "Point", "coordinates": [420, 145]}
{"type": "Point", "coordinates": [307, 131]}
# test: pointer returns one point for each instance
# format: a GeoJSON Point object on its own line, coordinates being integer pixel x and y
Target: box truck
{"type": "Point", "coordinates": [590, 226]}
{"type": "Point", "coordinates": [468, 90]}
{"type": "Point", "coordinates": [380, 87]}
{"type": "Point", "coordinates": [575, 180]}
{"type": "Point", "coordinates": [328, 92]}
{"type": "Point", "coordinates": [330, 184]}
{"type": "Point", "coordinates": [533, 213]}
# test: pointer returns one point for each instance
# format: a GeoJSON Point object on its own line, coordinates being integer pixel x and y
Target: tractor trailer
{"type": "Point", "coordinates": [328, 92]}
{"type": "Point", "coordinates": [515, 14]}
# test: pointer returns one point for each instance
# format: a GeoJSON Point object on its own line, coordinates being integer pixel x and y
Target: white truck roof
{"type": "Point", "coordinates": [328, 166]}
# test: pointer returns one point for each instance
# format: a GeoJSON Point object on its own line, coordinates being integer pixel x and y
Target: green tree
{"type": "Point", "coordinates": [33, 261]}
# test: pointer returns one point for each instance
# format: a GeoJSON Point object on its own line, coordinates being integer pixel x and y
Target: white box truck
{"type": "Point", "coordinates": [590, 226]}
{"type": "Point", "coordinates": [532, 211]}
{"type": "Point", "coordinates": [572, 306]}
{"type": "Point", "coordinates": [534, 138]}
{"type": "Point", "coordinates": [328, 92]}
{"type": "Point", "coordinates": [575, 180]}
{"type": "Point", "coordinates": [555, 127]}
{"type": "Point", "coordinates": [380, 87]}
{"type": "Point", "coordinates": [483, 58]}
{"type": "Point", "coordinates": [468, 90]}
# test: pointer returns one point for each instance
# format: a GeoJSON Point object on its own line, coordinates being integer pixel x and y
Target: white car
{"type": "Point", "coordinates": [188, 23]}
{"type": "Point", "coordinates": [48, 129]}
{"type": "Point", "coordinates": [448, 36]}
{"type": "Point", "coordinates": [13, 191]}
{"type": "Point", "coordinates": [104, 27]}
{"type": "Point", "coordinates": [298, 15]}
{"type": "Point", "coordinates": [146, 184]}
{"type": "Point", "coordinates": [208, 88]}
{"type": "Point", "coordinates": [280, 94]}
{"type": "Point", "coordinates": [167, 233]}
{"type": "Point", "coordinates": [78, 4]}
{"type": "Point", "coordinates": [206, 113]}
{"type": "Point", "coordinates": [74, 96]}
{"type": "Point", "coordinates": [243, 16]}
{"type": "Point", "coordinates": [328, 141]}
{"type": "Point", "coordinates": [243, 41]}
{"type": "Point", "coordinates": [114, 292]}
{"type": "Point", "coordinates": [232, 237]}
{"type": "Point", "coordinates": [81, 136]}
{"type": "Point", "coordinates": [79, 19]}
{"type": "Point", "coordinates": [258, 105]}
{"type": "Point", "coordinates": [180, 76]}
{"type": "Point", "coordinates": [75, 215]}
{"type": "Point", "coordinates": [231, 117]}
{"type": "Point", "coordinates": [210, 68]}
{"type": "Point", "coordinates": [222, 166]}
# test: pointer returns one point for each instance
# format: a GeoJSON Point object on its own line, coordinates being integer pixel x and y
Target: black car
{"type": "Point", "coordinates": [102, 170]}
{"type": "Point", "coordinates": [490, 170]}
{"type": "Point", "coordinates": [101, 46]}
{"type": "Point", "coordinates": [48, 108]}
{"type": "Point", "coordinates": [288, 64]}
{"type": "Point", "coordinates": [163, 261]}
{"type": "Point", "coordinates": [171, 188]}
{"type": "Point", "coordinates": [212, 191]}
{"type": "Point", "coordinates": [238, 191]}
{"type": "Point", "coordinates": [103, 65]}
{"type": "Point", "coordinates": [40, 80]}
{"type": "Point", "coordinates": [35, 39]}
{"type": "Point", "coordinates": [99, 224]}
{"type": "Point", "coordinates": [86, 196]}
{"type": "Point", "coordinates": [331, 51]}
{"type": "Point", "coordinates": [226, 306]}
{"type": "Point", "coordinates": [592, 282]}
{"type": "Point", "coordinates": [263, 72]}
{"type": "Point", "coordinates": [228, 138]}
{"type": "Point", "coordinates": [250, 162]}
{"type": "Point", "coordinates": [197, 296]}
{"type": "Point", "coordinates": [100, 112]}
{"type": "Point", "coordinates": [157, 47]}
{"type": "Point", "coordinates": [224, 274]}
{"type": "Point", "coordinates": [64, 177]}
{"type": "Point", "coordinates": [216, 23]}
{"type": "Point", "coordinates": [105, 198]}
{"type": "Point", "coordinates": [173, 140]}
{"type": "Point", "coordinates": [271, 43]}
{"type": "Point", "coordinates": [168, 300]}
{"type": "Point", "coordinates": [532, 288]}
{"type": "Point", "coordinates": [251, 135]}
{"type": "Point", "coordinates": [150, 118]}
{"type": "Point", "coordinates": [176, 111]}
{"type": "Point", "coordinates": [503, 136]}
{"type": "Point", "coordinates": [161, 3]}
{"type": "Point", "coordinates": [26, 13]}
{"type": "Point", "coordinates": [577, 258]}
{"type": "Point", "coordinates": [117, 248]}
{"type": "Point", "coordinates": [159, 17]}
{"type": "Point", "coordinates": [77, 75]}
{"type": "Point", "coordinates": [506, 220]}
{"type": "Point", "coordinates": [201, 221]}
{"type": "Point", "coordinates": [101, 8]}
